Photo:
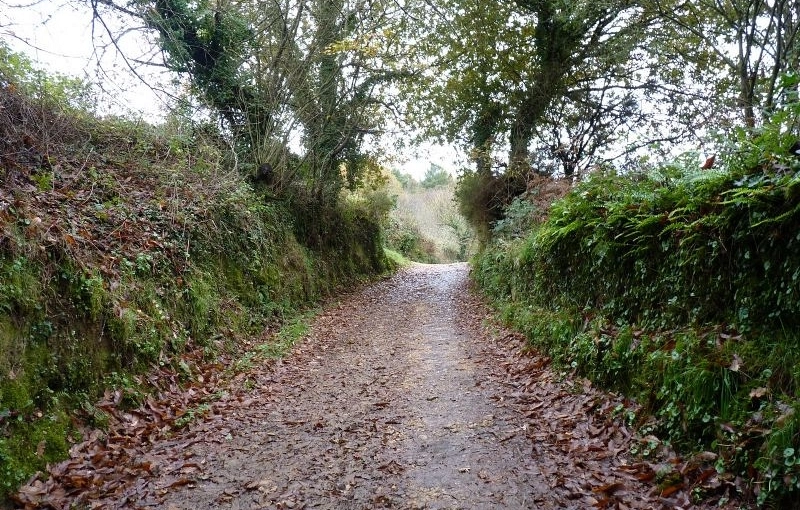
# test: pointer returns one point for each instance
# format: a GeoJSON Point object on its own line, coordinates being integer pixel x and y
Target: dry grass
{"type": "Point", "coordinates": [436, 214]}
{"type": "Point", "coordinates": [542, 191]}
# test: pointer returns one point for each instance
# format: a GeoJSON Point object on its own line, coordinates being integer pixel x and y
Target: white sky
{"type": "Point", "coordinates": [418, 161]}
{"type": "Point", "coordinates": [57, 34]}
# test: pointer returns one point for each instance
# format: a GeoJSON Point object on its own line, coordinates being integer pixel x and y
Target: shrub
{"type": "Point", "coordinates": [679, 288]}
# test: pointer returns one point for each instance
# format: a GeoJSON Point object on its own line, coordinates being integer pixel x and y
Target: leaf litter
{"type": "Point", "coordinates": [403, 395]}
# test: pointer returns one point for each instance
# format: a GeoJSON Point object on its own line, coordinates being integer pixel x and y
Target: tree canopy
{"type": "Point", "coordinates": [560, 87]}
{"type": "Point", "coordinates": [300, 78]}
{"type": "Point", "coordinates": [436, 176]}
{"type": "Point", "coordinates": [529, 86]}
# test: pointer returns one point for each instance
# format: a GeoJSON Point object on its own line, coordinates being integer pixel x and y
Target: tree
{"type": "Point", "coordinates": [435, 177]}
{"type": "Point", "coordinates": [507, 66]}
{"type": "Point", "coordinates": [543, 81]}
{"type": "Point", "coordinates": [467, 70]}
{"type": "Point", "coordinates": [406, 181]}
{"type": "Point", "coordinates": [734, 50]}
{"type": "Point", "coordinates": [308, 71]}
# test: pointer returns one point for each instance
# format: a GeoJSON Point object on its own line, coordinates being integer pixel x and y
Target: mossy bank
{"type": "Point", "coordinates": [122, 246]}
{"type": "Point", "coordinates": [679, 288]}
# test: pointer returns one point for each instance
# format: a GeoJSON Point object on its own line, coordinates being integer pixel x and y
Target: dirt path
{"type": "Point", "coordinates": [398, 399]}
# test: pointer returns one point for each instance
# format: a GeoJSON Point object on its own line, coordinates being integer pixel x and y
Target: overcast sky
{"type": "Point", "coordinates": [58, 34]}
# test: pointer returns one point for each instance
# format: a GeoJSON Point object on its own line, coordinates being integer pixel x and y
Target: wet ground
{"type": "Point", "coordinates": [401, 397]}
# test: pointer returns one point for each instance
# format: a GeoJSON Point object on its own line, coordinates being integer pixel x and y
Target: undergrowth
{"type": "Point", "coordinates": [681, 289]}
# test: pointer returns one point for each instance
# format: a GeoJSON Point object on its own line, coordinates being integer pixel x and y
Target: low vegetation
{"type": "Point", "coordinates": [680, 288]}
{"type": "Point", "coordinates": [124, 245]}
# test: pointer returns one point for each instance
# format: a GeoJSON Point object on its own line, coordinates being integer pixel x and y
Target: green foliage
{"type": "Point", "coordinates": [711, 46]}
{"type": "Point", "coordinates": [517, 220]}
{"type": "Point", "coordinates": [208, 44]}
{"type": "Point", "coordinates": [290, 333]}
{"type": "Point", "coordinates": [435, 177]}
{"type": "Point", "coordinates": [679, 288]}
{"type": "Point", "coordinates": [426, 227]}
{"type": "Point", "coordinates": [192, 414]}
{"type": "Point", "coordinates": [347, 232]}
{"type": "Point", "coordinates": [396, 258]}
{"type": "Point", "coordinates": [21, 74]}
{"type": "Point", "coordinates": [473, 201]}
{"type": "Point", "coordinates": [650, 251]}
{"type": "Point", "coordinates": [483, 197]}
{"type": "Point", "coordinates": [138, 249]}
{"type": "Point", "coordinates": [20, 288]}
{"type": "Point", "coordinates": [274, 72]}
{"type": "Point", "coordinates": [406, 181]}
{"type": "Point", "coordinates": [511, 75]}
{"type": "Point", "coordinates": [44, 441]}
{"type": "Point", "coordinates": [404, 235]}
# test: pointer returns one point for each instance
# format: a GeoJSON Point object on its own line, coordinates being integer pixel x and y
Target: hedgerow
{"type": "Point", "coordinates": [680, 288]}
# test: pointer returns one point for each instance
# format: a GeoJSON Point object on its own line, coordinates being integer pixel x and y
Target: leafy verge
{"type": "Point", "coordinates": [681, 289]}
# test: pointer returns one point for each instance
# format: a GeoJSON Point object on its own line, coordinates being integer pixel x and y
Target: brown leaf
{"type": "Point", "coordinates": [392, 467]}
{"type": "Point", "coordinates": [78, 480]}
{"type": "Point", "coordinates": [32, 492]}
{"type": "Point", "coordinates": [180, 482]}
{"type": "Point", "coordinates": [705, 475]}
{"type": "Point", "coordinates": [666, 492]}
{"type": "Point", "coordinates": [706, 456]}
{"type": "Point", "coordinates": [646, 476]}
{"type": "Point", "coordinates": [595, 431]}
{"type": "Point", "coordinates": [603, 502]}
{"type": "Point", "coordinates": [609, 488]}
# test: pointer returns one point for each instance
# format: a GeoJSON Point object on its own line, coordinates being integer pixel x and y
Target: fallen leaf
{"type": "Point", "coordinates": [609, 488]}
{"type": "Point", "coordinates": [671, 490]}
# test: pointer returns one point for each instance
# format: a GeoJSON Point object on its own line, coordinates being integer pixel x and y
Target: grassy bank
{"type": "Point", "coordinates": [123, 246]}
{"type": "Point", "coordinates": [681, 290]}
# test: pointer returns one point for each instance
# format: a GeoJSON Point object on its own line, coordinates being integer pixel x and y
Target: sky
{"type": "Point", "coordinates": [58, 34]}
